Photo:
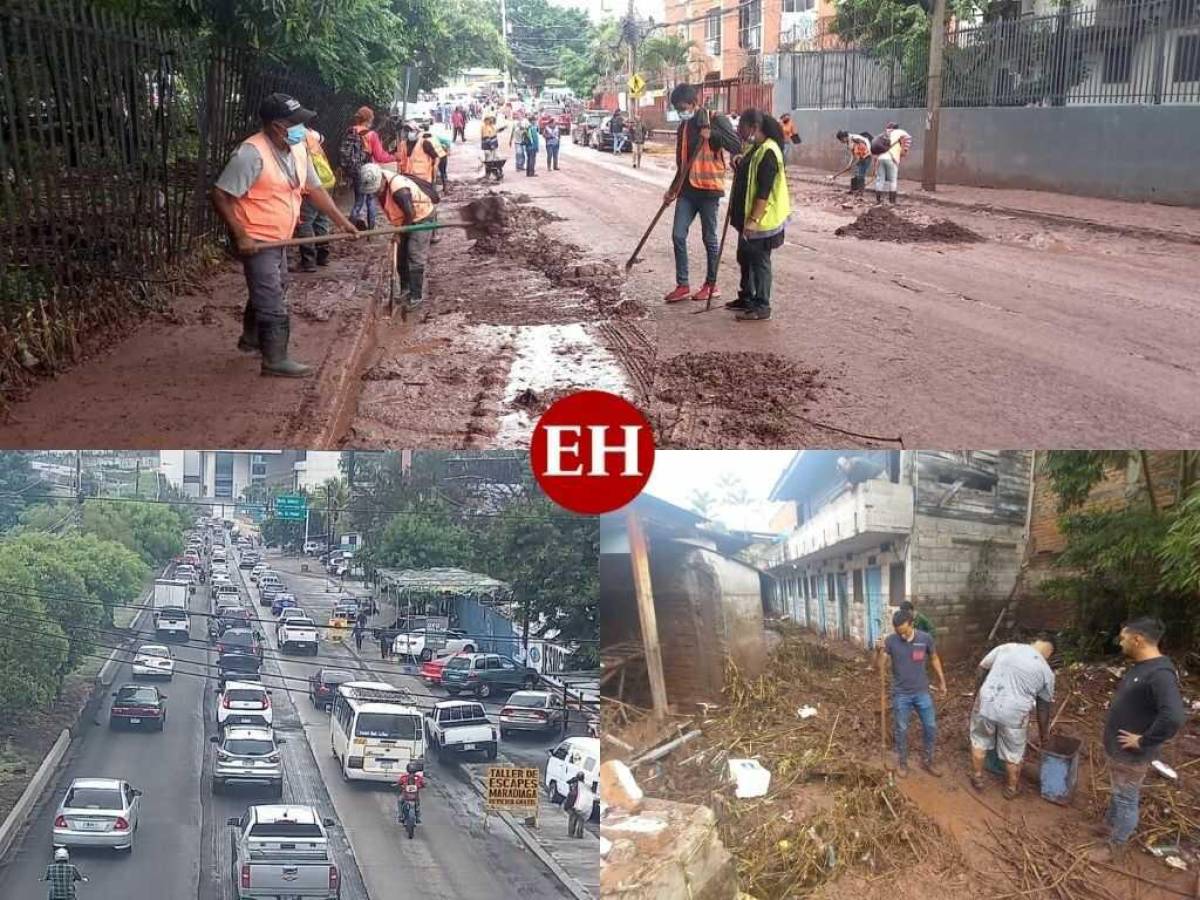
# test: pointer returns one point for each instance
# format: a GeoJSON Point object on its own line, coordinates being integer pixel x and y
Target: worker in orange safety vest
{"type": "Point", "coordinates": [406, 200]}
{"type": "Point", "coordinates": [258, 195]}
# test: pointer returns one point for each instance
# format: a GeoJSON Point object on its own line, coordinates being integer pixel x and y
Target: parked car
{"type": "Point", "coordinates": [247, 756]}
{"type": "Point", "coordinates": [573, 756]}
{"type": "Point", "coordinates": [137, 706]}
{"type": "Point", "coordinates": [153, 661]}
{"type": "Point", "coordinates": [283, 851]}
{"type": "Point", "coordinates": [323, 685]}
{"type": "Point", "coordinates": [601, 137]}
{"type": "Point", "coordinates": [484, 674]}
{"type": "Point", "coordinates": [556, 114]}
{"type": "Point", "coordinates": [281, 601]}
{"type": "Point", "coordinates": [424, 643]}
{"type": "Point", "coordinates": [585, 122]}
{"type": "Point", "coordinates": [97, 812]}
{"type": "Point", "coordinates": [459, 726]}
{"type": "Point", "coordinates": [244, 703]}
{"type": "Point", "coordinates": [240, 640]}
{"type": "Point", "coordinates": [532, 711]}
{"type": "Point", "coordinates": [313, 548]}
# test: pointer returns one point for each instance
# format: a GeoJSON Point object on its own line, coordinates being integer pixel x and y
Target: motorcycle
{"type": "Point", "coordinates": [408, 815]}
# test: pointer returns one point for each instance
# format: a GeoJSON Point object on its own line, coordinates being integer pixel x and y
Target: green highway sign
{"type": "Point", "coordinates": [291, 506]}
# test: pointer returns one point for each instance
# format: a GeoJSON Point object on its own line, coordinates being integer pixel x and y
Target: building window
{"type": "Point", "coordinates": [223, 475]}
{"type": "Point", "coordinates": [1187, 58]}
{"type": "Point", "coordinates": [750, 25]}
{"type": "Point", "coordinates": [799, 6]}
{"type": "Point", "coordinates": [712, 32]}
{"type": "Point", "coordinates": [1117, 64]}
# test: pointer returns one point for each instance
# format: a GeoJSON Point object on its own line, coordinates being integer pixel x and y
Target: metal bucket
{"type": "Point", "coordinates": [1060, 768]}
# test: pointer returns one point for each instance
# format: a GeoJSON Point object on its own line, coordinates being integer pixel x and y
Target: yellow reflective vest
{"type": "Point", "coordinates": [778, 204]}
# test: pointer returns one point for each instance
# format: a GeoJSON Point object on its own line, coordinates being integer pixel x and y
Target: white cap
{"type": "Point", "coordinates": [370, 178]}
{"type": "Point", "coordinates": [61, 855]}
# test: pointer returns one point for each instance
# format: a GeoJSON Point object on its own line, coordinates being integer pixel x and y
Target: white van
{"type": "Point", "coordinates": [572, 756]}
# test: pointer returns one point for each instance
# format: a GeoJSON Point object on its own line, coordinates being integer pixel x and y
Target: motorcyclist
{"type": "Point", "coordinates": [410, 783]}
{"type": "Point", "coordinates": [61, 876]}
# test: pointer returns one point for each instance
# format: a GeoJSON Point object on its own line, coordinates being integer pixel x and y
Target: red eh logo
{"type": "Point", "coordinates": [592, 452]}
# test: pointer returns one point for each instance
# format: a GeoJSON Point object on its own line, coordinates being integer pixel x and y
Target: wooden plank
{"type": "Point", "coordinates": [639, 558]}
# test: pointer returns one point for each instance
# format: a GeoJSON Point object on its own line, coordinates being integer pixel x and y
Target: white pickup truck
{"type": "Point", "coordinates": [297, 634]}
{"type": "Point", "coordinates": [282, 853]}
{"type": "Point", "coordinates": [460, 726]}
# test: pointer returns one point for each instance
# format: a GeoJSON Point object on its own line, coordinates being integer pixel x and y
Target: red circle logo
{"type": "Point", "coordinates": [592, 452]}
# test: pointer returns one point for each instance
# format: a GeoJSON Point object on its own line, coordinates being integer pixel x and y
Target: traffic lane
{"type": "Point", "coordinates": [303, 783]}
{"type": "Point", "coordinates": [453, 853]}
{"type": "Point", "coordinates": [164, 766]}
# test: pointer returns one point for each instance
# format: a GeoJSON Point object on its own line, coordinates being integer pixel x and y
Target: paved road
{"type": "Point", "coordinates": [455, 853]}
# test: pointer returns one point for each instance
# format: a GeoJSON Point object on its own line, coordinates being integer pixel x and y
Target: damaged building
{"type": "Point", "coordinates": [866, 531]}
{"type": "Point", "coordinates": [677, 604]}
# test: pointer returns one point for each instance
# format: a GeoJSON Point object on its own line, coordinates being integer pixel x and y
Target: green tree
{"type": "Point", "coordinates": [540, 33]}
{"type": "Point", "coordinates": [20, 487]}
{"type": "Point", "coordinates": [667, 54]}
{"type": "Point", "coordinates": [31, 660]}
{"type": "Point", "coordinates": [424, 536]}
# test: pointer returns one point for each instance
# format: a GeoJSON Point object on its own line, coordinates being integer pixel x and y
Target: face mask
{"type": "Point", "coordinates": [295, 134]}
{"type": "Point", "coordinates": [684, 116]}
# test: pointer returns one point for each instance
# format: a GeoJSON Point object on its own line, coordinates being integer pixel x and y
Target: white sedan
{"type": "Point", "coordinates": [153, 661]}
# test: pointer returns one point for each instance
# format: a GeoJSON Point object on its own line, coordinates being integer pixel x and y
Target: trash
{"type": "Point", "coordinates": [1176, 863]}
{"type": "Point", "coordinates": [618, 786]}
{"type": "Point", "coordinates": [1195, 705]}
{"type": "Point", "coordinates": [1115, 671]}
{"type": "Point", "coordinates": [1161, 850]}
{"type": "Point", "coordinates": [1166, 771]}
{"type": "Point", "coordinates": [605, 846]}
{"type": "Point", "coordinates": [752, 779]}
{"type": "Point", "coordinates": [806, 712]}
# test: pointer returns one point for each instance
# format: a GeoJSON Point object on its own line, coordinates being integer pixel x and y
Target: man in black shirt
{"type": "Point", "coordinates": [1145, 712]}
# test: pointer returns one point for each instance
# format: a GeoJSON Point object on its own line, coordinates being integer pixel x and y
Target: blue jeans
{"type": "Point", "coordinates": [363, 201]}
{"type": "Point", "coordinates": [1126, 793]}
{"type": "Point", "coordinates": [530, 161]}
{"type": "Point", "coordinates": [687, 207]}
{"type": "Point", "coordinates": [902, 709]}
{"type": "Point", "coordinates": [551, 156]}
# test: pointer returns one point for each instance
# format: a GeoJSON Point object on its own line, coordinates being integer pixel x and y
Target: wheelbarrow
{"type": "Point", "coordinates": [493, 169]}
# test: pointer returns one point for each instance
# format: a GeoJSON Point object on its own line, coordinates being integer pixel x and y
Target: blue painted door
{"type": "Point", "coordinates": [821, 593]}
{"type": "Point", "coordinates": [843, 608]}
{"type": "Point", "coordinates": [874, 589]}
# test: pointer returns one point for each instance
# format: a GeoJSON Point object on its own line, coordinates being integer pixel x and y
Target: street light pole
{"type": "Point", "coordinates": [933, 97]}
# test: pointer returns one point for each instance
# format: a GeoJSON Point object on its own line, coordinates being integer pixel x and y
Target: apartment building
{"type": "Point", "coordinates": [226, 474]}
{"type": "Point", "coordinates": [872, 528]}
{"type": "Point", "coordinates": [733, 36]}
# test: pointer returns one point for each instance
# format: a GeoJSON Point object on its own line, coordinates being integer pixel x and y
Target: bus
{"type": "Point", "coordinates": [375, 731]}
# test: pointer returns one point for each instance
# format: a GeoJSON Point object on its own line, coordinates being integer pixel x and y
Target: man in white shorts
{"type": "Point", "coordinates": [1013, 679]}
{"type": "Point", "coordinates": [888, 149]}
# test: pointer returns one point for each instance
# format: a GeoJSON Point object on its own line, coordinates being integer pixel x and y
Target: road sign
{"type": "Point", "coordinates": [291, 506]}
{"type": "Point", "coordinates": [637, 84]}
{"type": "Point", "coordinates": [513, 789]}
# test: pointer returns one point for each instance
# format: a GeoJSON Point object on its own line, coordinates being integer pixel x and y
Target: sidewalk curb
{"type": "Point", "coordinates": [1173, 237]}
{"type": "Point", "coordinates": [18, 817]}
{"type": "Point", "coordinates": [577, 890]}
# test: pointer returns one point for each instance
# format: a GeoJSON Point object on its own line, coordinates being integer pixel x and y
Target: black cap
{"type": "Point", "coordinates": [283, 106]}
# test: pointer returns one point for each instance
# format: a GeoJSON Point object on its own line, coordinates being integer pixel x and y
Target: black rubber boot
{"type": "Point", "coordinates": [892, 197]}
{"type": "Point", "coordinates": [273, 337]}
{"type": "Point", "coordinates": [416, 286]}
{"type": "Point", "coordinates": [879, 196]}
{"type": "Point", "coordinates": [248, 342]}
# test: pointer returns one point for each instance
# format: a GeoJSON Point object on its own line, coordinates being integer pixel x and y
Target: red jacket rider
{"type": "Point", "coordinates": [410, 785]}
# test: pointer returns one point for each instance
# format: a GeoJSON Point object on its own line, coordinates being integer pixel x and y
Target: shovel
{"type": "Point", "coordinates": [676, 186]}
{"type": "Point", "coordinates": [720, 253]}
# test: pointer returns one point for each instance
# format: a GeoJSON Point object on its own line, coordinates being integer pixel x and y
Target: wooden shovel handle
{"type": "Point", "coordinates": [346, 236]}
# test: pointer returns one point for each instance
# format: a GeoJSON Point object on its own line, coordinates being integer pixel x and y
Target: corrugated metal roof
{"type": "Point", "coordinates": [447, 580]}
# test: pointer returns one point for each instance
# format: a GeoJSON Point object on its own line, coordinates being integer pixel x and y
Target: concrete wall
{"type": "Point", "coordinates": [1118, 152]}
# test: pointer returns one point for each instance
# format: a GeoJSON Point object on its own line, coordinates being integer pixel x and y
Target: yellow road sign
{"type": "Point", "coordinates": [637, 84]}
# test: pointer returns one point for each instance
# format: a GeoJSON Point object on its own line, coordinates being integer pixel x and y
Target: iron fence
{"type": "Point", "coordinates": [1116, 51]}
{"type": "Point", "coordinates": [111, 132]}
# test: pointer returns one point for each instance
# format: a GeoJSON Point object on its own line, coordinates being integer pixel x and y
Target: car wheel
{"type": "Point", "coordinates": [484, 690]}
{"type": "Point", "coordinates": [426, 655]}
{"type": "Point", "coordinates": [277, 790]}
{"type": "Point", "coordinates": [504, 733]}
{"type": "Point", "coordinates": [555, 796]}
{"type": "Point", "coordinates": [491, 751]}
{"type": "Point", "coordinates": [218, 786]}
{"type": "Point", "coordinates": [453, 692]}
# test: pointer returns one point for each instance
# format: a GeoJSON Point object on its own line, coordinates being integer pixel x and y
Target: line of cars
{"type": "Point", "coordinates": [593, 128]}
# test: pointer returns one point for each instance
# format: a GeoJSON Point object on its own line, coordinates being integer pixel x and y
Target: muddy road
{"type": "Point", "coordinates": [981, 327]}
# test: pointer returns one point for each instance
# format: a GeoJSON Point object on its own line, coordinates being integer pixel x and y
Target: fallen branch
{"type": "Point", "coordinates": [659, 752]}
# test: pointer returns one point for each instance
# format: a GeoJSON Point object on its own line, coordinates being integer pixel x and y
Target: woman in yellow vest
{"type": "Point", "coordinates": [758, 209]}
{"type": "Point", "coordinates": [258, 195]}
{"type": "Point", "coordinates": [405, 200]}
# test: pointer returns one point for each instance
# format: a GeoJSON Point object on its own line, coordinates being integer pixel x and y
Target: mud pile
{"type": "Point", "coordinates": [879, 223]}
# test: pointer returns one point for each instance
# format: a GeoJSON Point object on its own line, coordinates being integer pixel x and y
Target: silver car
{"type": "Point", "coordinates": [248, 756]}
{"type": "Point", "coordinates": [98, 812]}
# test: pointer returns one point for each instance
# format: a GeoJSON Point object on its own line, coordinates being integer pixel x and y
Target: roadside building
{"type": "Point", "coordinates": [874, 528]}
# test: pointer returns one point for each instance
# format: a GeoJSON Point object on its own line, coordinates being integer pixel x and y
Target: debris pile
{"type": "Point", "coordinates": [880, 223]}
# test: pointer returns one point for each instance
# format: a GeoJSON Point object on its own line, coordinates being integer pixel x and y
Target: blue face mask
{"type": "Point", "coordinates": [687, 114]}
{"type": "Point", "coordinates": [295, 134]}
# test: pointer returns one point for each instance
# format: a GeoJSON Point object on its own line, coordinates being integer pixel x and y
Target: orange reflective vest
{"type": "Point", "coordinates": [420, 163]}
{"type": "Point", "coordinates": [708, 170]}
{"type": "Point", "coordinates": [270, 210]}
{"type": "Point", "coordinates": [423, 205]}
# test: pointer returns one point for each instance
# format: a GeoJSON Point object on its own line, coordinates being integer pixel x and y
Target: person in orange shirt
{"type": "Point", "coordinates": [258, 196]}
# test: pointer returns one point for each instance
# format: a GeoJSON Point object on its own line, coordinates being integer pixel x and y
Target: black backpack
{"type": "Point", "coordinates": [352, 153]}
{"type": "Point", "coordinates": [881, 145]}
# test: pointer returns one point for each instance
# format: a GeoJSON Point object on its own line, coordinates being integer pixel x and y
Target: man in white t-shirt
{"type": "Point", "coordinates": [1013, 679]}
{"type": "Point", "coordinates": [892, 146]}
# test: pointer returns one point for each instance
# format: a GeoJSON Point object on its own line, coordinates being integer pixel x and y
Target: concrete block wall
{"type": "Point", "coordinates": [1022, 147]}
{"type": "Point", "coordinates": [960, 582]}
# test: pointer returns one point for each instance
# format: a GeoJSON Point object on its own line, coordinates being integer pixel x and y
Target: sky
{"type": "Point", "coordinates": [678, 472]}
{"type": "Point", "coordinates": [614, 9]}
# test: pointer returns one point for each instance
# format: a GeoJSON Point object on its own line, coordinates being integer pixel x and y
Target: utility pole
{"type": "Point", "coordinates": [504, 37]}
{"type": "Point", "coordinates": [933, 96]}
{"type": "Point", "coordinates": [404, 99]}
{"type": "Point", "coordinates": [137, 479]}
{"type": "Point", "coordinates": [79, 488]}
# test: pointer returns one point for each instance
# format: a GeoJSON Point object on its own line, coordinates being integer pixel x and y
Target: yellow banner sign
{"type": "Point", "coordinates": [511, 788]}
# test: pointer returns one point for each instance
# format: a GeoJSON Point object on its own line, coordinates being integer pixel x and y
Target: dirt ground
{"type": "Point", "coordinates": [919, 836]}
{"type": "Point", "coordinates": [1074, 322]}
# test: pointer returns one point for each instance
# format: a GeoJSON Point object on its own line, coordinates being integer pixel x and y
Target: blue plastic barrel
{"type": "Point", "coordinates": [1060, 768]}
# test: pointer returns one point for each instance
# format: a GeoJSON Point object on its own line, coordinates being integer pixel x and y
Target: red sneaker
{"type": "Point", "coordinates": [680, 293]}
{"type": "Point", "coordinates": [708, 292]}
